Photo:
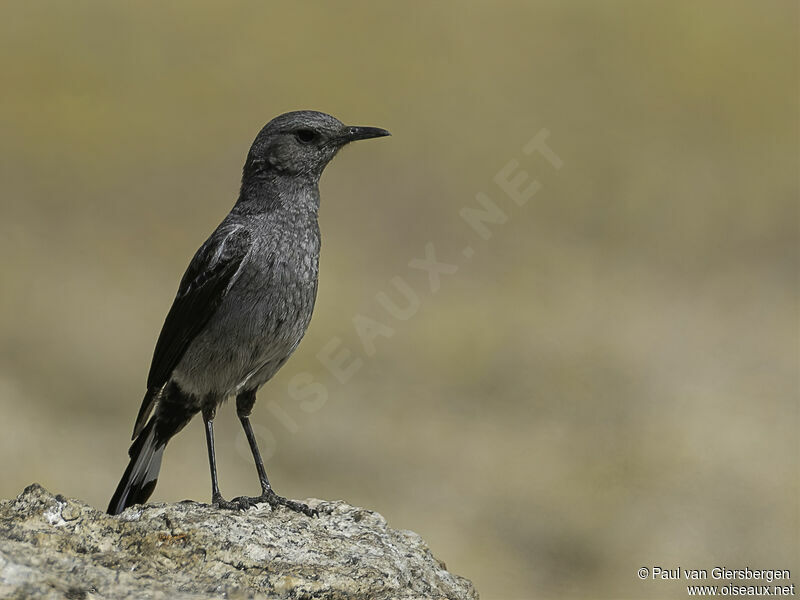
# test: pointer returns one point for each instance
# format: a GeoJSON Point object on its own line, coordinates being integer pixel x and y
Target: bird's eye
{"type": "Point", "coordinates": [305, 136]}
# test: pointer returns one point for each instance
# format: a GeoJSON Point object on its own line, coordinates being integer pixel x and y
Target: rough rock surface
{"type": "Point", "coordinates": [55, 547]}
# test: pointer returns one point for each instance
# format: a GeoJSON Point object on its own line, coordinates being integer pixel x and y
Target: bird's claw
{"type": "Point", "coordinates": [220, 502]}
{"type": "Point", "coordinates": [269, 497]}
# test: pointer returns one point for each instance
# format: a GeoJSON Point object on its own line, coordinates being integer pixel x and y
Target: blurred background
{"type": "Point", "coordinates": [609, 382]}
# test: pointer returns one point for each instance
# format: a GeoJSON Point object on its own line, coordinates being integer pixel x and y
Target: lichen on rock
{"type": "Point", "coordinates": [55, 547]}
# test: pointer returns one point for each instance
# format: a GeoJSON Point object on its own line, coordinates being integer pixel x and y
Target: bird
{"type": "Point", "coordinates": [243, 304]}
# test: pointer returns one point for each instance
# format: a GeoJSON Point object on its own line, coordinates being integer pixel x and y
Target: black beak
{"type": "Point", "coordinates": [351, 134]}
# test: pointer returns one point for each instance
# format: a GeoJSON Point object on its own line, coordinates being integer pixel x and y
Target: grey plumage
{"type": "Point", "coordinates": [244, 302]}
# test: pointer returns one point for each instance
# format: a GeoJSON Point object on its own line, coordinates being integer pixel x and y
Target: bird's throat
{"type": "Point", "coordinates": [271, 193]}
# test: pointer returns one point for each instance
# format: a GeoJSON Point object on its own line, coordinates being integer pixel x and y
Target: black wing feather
{"type": "Point", "coordinates": [207, 280]}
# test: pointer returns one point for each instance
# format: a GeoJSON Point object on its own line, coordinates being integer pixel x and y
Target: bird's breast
{"type": "Point", "coordinates": [262, 318]}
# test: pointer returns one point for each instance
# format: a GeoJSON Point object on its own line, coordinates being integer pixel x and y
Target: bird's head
{"type": "Point", "coordinates": [301, 143]}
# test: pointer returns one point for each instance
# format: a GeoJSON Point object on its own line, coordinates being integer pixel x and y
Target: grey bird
{"type": "Point", "coordinates": [243, 304]}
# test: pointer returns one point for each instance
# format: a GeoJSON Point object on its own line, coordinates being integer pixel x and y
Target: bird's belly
{"type": "Point", "coordinates": [251, 335]}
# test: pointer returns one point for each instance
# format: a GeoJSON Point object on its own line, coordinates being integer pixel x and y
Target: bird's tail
{"type": "Point", "coordinates": [140, 477]}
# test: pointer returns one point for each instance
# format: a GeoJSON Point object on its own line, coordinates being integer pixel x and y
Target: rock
{"type": "Point", "coordinates": [55, 547]}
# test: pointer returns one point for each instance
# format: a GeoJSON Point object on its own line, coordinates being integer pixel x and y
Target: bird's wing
{"type": "Point", "coordinates": [210, 275]}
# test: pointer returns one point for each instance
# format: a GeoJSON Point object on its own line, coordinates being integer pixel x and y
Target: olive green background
{"type": "Point", "coordinates": [609, 382]}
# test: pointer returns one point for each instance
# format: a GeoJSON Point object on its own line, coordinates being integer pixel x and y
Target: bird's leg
{"type": "Point", "coordinates": [244, 405]}
{"type": "Point", "coordinates": [216, 498]}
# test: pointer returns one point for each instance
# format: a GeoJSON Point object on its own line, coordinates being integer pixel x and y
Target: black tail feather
{"type": "Point", "coordinates": [175, 410]}
{"type": "Point", "coordinates": [139, 479]}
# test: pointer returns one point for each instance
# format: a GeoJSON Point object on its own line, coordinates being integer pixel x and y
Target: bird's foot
{"type": "Point", "coordinates": [220, 502]}
{"type": "Point", "coordinates": [271, 498]}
